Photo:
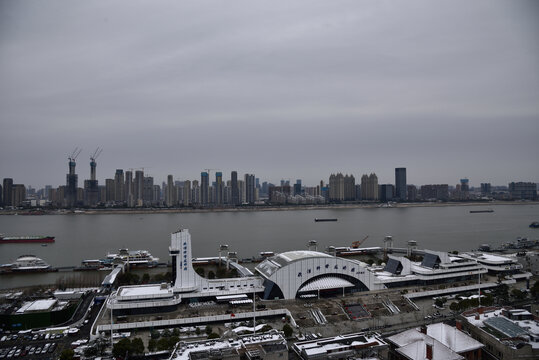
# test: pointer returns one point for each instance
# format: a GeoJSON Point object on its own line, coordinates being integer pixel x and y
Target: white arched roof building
{"type": "Point", "coordinates": [292, 273]}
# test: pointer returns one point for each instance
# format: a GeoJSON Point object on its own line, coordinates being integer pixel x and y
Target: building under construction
{"type": "Point", "coordinates": [72, 181]}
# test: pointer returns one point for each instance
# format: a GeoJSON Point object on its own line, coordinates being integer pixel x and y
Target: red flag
{"type": "Point", "coordinates": [232, 315]}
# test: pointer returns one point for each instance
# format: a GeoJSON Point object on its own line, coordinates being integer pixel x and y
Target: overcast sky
{"type": "Point", "coordinates": [281, 89]}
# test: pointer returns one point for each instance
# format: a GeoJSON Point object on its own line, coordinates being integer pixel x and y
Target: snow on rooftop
{"type": "Point", "coordinates": [453, 338]}
{"type": "Point", "coordinates": [301, 254]}
{"type": "Point", "coordinates": [418, 350]}
{"type": "Point", "coordinates": [38, 305]}
{"type": "Point", "coordinates": [144, 291]}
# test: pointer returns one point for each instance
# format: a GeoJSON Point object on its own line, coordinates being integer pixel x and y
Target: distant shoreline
{"type": "Point", "coordinates": [262, 208]}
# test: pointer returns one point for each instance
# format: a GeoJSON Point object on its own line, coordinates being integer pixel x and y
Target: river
{"type": "Point", "coordinates": [82, 236]}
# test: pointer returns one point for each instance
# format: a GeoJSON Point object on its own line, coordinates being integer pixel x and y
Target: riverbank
{"type": "Point", "coordinates": [485, 204]}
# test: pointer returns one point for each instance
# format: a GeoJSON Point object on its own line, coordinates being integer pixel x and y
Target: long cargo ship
{"type": "Point", "coordinates": [26, 239]}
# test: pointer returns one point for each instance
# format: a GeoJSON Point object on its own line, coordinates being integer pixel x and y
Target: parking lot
{"type": "Point", "coordinates": [29, 346]}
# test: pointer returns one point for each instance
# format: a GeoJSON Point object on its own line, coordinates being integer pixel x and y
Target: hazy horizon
{"type": "Point", "coordinates": [282, 90]}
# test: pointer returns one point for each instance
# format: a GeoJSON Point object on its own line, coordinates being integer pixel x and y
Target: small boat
{"type": "Point", "coordinates": [481, 211]}
{"type": "Point", "coordinates": [535, 225]}
{"type": "Point", "coordinates": [324, 219]}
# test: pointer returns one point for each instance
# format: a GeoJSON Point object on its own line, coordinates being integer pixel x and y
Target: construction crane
{"type": "Point", "coordinates": [358, 243]}
{"type": "Point", "coordinates": [74, 154]}
{"type": "Point", "coordinates": [96, 153]}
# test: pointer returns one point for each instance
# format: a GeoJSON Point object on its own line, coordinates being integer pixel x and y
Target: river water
{"type": "Point", "coordinates": [81, 237]}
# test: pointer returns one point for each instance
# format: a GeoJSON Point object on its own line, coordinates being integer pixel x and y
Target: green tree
{"type": "Point", "coordinates": [454, 306]}
{"type": "Point", "coordinates": [197, 330]}
{"type": "Point", "coordinates": [67, 354]}
{"type": "Point", "coordinates": [266, 328]}
{"type": "Point", "coordinates": [155, 334]}
{"type": "Point", "coordinates": [176, 332]}
{"type": "Point", "coordinates": [518, 295]}
{"type": "Point", "coordinates": [287, 330]}
{"type": "Point", "coordinates": [440, 301]}
{"type": "Point", "coordinates": [213, 336]}
{"type": "Point", "coordinates": [137, 346]}
{"type": "Point", "coordinates": [152, 344]}
{"type": "Point", "coordinates": [121, 348]}
{"type": "Point", "coordinates": [208, 330]}
{"type": "Point", "coordinates": [211, 275]}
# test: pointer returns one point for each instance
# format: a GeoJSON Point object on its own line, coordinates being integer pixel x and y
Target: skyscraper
{"type": "Point", "coordinates": [147, 193]}
{"type": "Point", "coordinates": [119, 192]}
{"type": "Point", "coordinates": [138, 187]}
{"type": "Point", "coordinates": [204, 188]}
{"type": "Point", "coordinates": [7, 192]}
{"type": "Point", "coordinates": [400, 184]}
{"type": "Point", "coordinates": [128, 189]}
{"type": "Point", "coordinates": [336, 187]}
{"type": "Point", "coordinates": [250, 188]}
{"type": "Point", "coordinates": [349, 187]}
{"type": "Point", "coordinates": [187, 193]}
{"type": "Point", "coordinates": [71, 185]}
{"type": "Point", "coordinates": [235, 191]}
{"type": "Point", "coordinates": [369, 187]}
{"type": "Point", "coordinates": [170, 195]}
{"type": "Point", "coordinates": [219, 188]}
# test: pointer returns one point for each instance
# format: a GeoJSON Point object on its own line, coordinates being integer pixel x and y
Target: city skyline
{"type": "Point", "coordinates": [448, 90]}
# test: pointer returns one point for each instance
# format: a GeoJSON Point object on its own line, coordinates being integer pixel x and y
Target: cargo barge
{"type": "Point", "coordinates": [26, 239]}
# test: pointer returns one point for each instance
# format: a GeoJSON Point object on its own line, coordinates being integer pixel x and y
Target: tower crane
{"type": "Point", "coordinates": [96, 153]}
{"type": "Point", "coordinates": [358, 243]}
{"type": "Point", "coordinates": [74, 154]}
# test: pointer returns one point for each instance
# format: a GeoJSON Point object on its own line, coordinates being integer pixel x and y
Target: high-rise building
{"type": "Point", "coordinates": [138, 187]}
{"type": "Point", "coordinates": [110, 188]}
{"type": "Point", "coordinates": [486, 189]}
{"type": "Point", "coordinates": [219, 188]}
{"type": "Point", "coordinates": [297, 187]}
{"type": "Point", "coordinates": [249, 188]}
{"type": "Point", "coordinates": [147, 192]}
{"type": "Point", "coordinates": [435, 192]}
{"type": "Point", "coordinates": [195, 193]}
{"type": "Point", "coordinates": [91, 187]}
{"type": "Point", "coordinates": [170, 195]}
{"type": "Point", "coordinates": [187, 193]}
{"type": "Point", "coordinates": [523, 190]}
{"type": "Point", "coordinates": [128, 189]}
{"type": "Point", "coordinates": [400, 184]}
{"type": "Point", "coordinates": [336, 187]}
{"type": "Point", "coordinates": [157, 194]}
{"type": "Point", "coordinates": [119, 190]}
{"type": "Point", "coordinates": [19, 194]}
{"type": "Point", "coordinates": [204, 188]}
{"type": "Point", "coordinates": [411, 191]}
{"type": "Point", "coordinates": [349, 188]}
{"type": "Point", "coordinates": [7, 192]}
{"type": "Point", "coordinates": [386, 192]}
{"type": "Point", "coordinates": [234, 191]}
{"type": "Point", "coordinates": [71, 185]}
{"type": "Point", "coordinates": [369, 187]}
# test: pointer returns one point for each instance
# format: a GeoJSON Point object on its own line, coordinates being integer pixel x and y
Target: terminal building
{"type": "Point", "coordinates": [302, 274]}
{"type": "Point", "coordinates": [187, 284]}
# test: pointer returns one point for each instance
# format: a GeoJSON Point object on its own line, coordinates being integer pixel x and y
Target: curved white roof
{"type": "Point", "coordinates": [330, 282]}
{"type": "Point", "coordinates": [274, 263]}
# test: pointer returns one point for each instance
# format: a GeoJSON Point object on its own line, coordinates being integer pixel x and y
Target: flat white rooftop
{"type": "Point", "coordinates": [143, 292]}
{"type": "Point", "coordinates": [38, 305]}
